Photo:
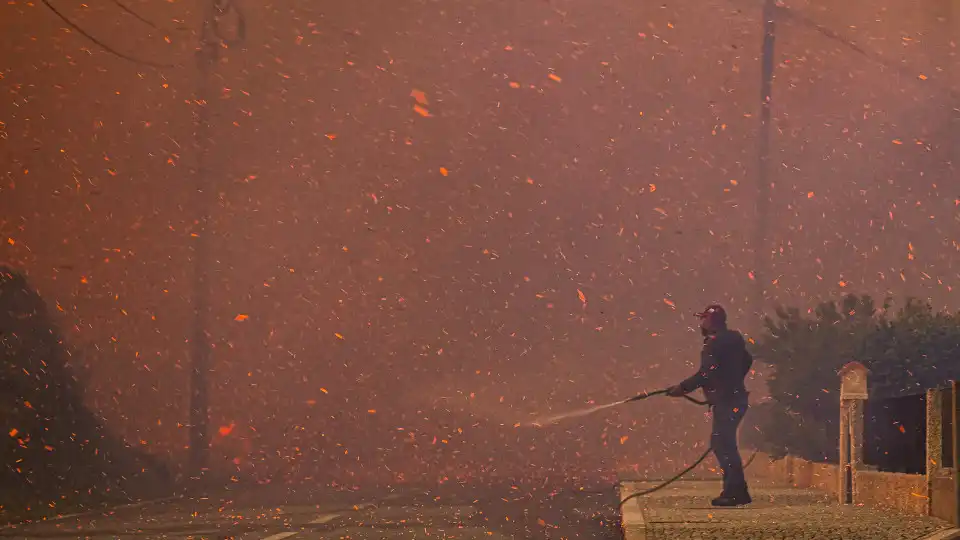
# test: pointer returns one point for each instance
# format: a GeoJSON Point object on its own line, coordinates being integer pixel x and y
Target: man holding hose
{"type": "Point", "coordinates": [724, 364]}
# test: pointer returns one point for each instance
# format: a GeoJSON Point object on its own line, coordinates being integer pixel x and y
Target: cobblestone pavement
{"type": "Point", "coordinates": [468, 513]}
{"type": "Point", "coordinates": [683, 511]}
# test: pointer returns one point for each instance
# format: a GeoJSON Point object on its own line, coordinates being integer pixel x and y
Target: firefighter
{"type": "Point", "coordinates": [724, 364]}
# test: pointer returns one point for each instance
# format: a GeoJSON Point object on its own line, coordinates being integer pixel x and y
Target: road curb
{"type": "Point", "coordinates": [100, 511]}
{"type": "Point", "coordinates": [633, 524]}
{"type": "Point", "coordinates": [945, 534]}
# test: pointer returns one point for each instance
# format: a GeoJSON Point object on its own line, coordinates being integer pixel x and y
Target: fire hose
{"type": "Point", "coordinates": [689, 468]}
{"type": "Point", "coordinates": [640, 397]}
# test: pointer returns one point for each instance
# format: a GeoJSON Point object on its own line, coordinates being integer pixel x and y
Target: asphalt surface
{"type": "Point", "coordinates": [452, 512]}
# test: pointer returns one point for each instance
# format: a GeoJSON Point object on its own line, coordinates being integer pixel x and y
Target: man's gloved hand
{"type": "Point", "coordinates": [676, 391]}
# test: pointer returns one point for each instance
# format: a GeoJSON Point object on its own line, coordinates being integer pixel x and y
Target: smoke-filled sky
{"type": "Point", "coordinates": [431, 220]}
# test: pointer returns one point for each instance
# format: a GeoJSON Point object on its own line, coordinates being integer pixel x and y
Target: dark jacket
{"type": "Point", "coordinates": [724, 364]}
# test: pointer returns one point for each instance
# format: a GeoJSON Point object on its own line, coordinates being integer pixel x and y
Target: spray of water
{"type": "Point", "coordinates": [547, 420]}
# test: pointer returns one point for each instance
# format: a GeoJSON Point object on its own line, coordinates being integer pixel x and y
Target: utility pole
{"type": "Point", "coordinates": [207, 56]}
{"type": "Point", "coordinates": [760, 273]}
{"type": "Point", "coordinates": [212, 41]}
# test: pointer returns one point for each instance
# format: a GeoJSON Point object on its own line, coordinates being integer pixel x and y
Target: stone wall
{"type": "Point", "coordinates": [906, 493]}
{"type": "Point", "coordinates": [795, 472]}
{"type": "Point", "coordinates": [824, 476]}
{"type": "Point", "coordinates": [942, 495]}
{"type": "Point", "coordinates": [766, 469]}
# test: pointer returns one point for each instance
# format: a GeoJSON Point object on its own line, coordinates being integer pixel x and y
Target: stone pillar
{"type": "Point", "coordinates": [856, 444]}
{"type": "Point", "coordinates": [956, 452]}
{"type": "Point", "coordinates": [842, 481]}
{"type": "Point", "coordinates": [853, 395]}
{"type": "Point", "coordinates": [788, 469]}
{"type": "Point", "coordinates": [934, 440]}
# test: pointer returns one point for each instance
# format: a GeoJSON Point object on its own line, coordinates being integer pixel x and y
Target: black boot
{"type": "Point", "coordinates": [739, 499]}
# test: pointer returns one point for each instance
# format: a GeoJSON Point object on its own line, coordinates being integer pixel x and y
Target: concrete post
{"type": "Point", "coordinates": [842, 480]}
{"type": "Point", "coordinates": [788, 468]}
{"type": "Point", "coordinates": [856, 444]}
{"type": "Point", "coordinates": [853, 395]}
{"type": "Point", "coordinates": [956, 452]}
{"type": "Point", "coordinates": [934, 441]}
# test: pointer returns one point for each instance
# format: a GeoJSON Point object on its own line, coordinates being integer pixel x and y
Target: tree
{"type": "Point", "coordinates": [55, 452]}
{"type": "Point", "coordinates": [907, 353]}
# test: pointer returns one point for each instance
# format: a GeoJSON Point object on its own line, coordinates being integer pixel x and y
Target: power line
{"type": "Point", "coordinates": [133, 13]}
{"type": "Point", "coordinates": [853, 46]}
{"type": "Point", "coordinates": [764, 183]}
{"type": "Point", "coordinates": [101, 44]}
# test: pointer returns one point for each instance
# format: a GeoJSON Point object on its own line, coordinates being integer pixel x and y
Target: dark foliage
{"type": "Point", "coordinates": [55, 452]}
{"type": "Point", "coordinates": [895, 434]}
{"type": "Point", "coordinates": [907, 352]}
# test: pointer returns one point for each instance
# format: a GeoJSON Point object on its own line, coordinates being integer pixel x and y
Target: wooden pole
{"type": "Point", "coordinates": [761, 257]}
{"type": "Point", "coordinates": [208, 56]}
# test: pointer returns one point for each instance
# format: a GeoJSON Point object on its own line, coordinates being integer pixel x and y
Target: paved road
{"type": "Point", "coordinates": [683, 511]}
{"type": "Point", "coordinates": [439, 513]}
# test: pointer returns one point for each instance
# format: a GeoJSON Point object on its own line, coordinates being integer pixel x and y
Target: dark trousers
{"type": "Point", "coordinates": [723, 439]}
